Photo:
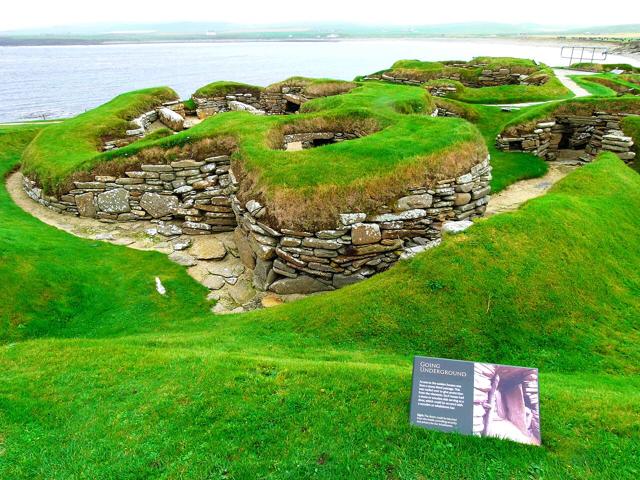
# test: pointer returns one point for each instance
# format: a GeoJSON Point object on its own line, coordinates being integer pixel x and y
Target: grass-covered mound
{"type": "Point", "coordinates": [469, 71]}
{"type": "Point", "coordinates": [552, 89]}
{"type": "Point", "coordinates": [609, 84]}
{"type": "Point", "coordinates": [314, 87]}
{"type": "Point", "coordinates": [321, 388]}
{"type": "Point", "coordinates": [73, 145]}
{"type": "Point", "coordinates": [604, 67]}
{"type": "Point", "coordinates": [545, 84]}
{"type": "Point", "coordinates": [222, 88]}
{"type": "Point", "coordinates": [309, 188]}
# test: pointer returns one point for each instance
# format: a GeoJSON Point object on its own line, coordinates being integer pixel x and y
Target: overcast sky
{"type": "Point", "coordinates": [45, 13]}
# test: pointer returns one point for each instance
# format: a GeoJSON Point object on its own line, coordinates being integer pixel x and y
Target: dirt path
{"type": "Point", "coordinates": [517, 193]}
{"type": "Point", "coordinates": [212, 260]}
{"type": "Point", "coordinates": [563, 76]}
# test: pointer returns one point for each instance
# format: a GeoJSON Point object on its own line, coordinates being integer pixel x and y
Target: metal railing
{"type": "Point", "coordinates": [581, 54]}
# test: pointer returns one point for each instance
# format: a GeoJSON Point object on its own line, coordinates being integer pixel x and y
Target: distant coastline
{"type": "Point", "coordinates": [44, 40]}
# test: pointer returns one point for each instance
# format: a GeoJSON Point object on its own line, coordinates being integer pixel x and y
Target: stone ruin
{"type": "Point", "coordinates": [586, 135]}
{"type": "Point", "coordinates": [241, 99]}
{"type": "Point", "coordinates": [198, 197]}
{"type": "Point", "coordinates": [277, 99]}
{"type": "Point", "coordinates": [286, 260]}
{"type": "Point", "coordinates": [487, 78]}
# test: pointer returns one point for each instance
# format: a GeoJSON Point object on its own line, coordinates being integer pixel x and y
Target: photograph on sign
{"type": "Point", "coordinates": [483, 399]}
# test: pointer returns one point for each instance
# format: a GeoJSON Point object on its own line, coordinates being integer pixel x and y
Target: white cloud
{"type": "Point", "coordinates": [44, 13]}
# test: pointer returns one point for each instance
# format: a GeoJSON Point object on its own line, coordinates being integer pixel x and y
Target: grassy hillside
{"type": "Point", "coordinates": [594, 88]}
{"type": "Point", "coordinates": [577, 106]}
{"type": "Point", "coordinates": [508, 167]}
{"type": "Point", "coordinates": [59, 285]}
{"type": "Point", "coordinates": [604, 67]}
{"type": "Point", "coordinates": [609, 84]}
{"type": "Point", "coordinates": [152, 388]}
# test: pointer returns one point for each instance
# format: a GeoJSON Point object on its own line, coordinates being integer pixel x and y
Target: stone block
{"type": "Point", "coordinates": [114, 201]}
{"type": "Point", "coordinates": [365, 233]}
{"type": "Point", "coordinates": [158, 205]}
{"type": "Point", "coordinates": [208, 248]}
{"type": "Point", "coordinates": [302, 284]}
{"type": "Point", "coordinates": [313, 242]}
{"type": "Point", "coordinates": [462, 199]}
{"type": "Point", "coordinates": [86, 205]}
{"type": "Point", "coordinates": [414, 201]}
{"type": "Point", "coordinates": [245, 252]}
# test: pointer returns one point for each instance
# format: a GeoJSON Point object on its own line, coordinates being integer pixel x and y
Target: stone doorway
{"type": "Point", "coordinates": [291, 107]}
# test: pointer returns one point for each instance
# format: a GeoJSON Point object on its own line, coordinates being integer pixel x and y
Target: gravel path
{"type": "Point", "coordinates": [517, 193]}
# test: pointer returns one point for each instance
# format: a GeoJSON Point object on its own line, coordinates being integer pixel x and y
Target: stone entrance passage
{"type": "Point", "coordinates": [571, 137]}
{"type": "Point", "coordinates": [291, 107]}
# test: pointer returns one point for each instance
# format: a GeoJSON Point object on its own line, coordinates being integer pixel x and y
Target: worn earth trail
{"type": "Point", "coordinates": [211, 260]}
{"type": "Point", "coordinates": [517, 193]}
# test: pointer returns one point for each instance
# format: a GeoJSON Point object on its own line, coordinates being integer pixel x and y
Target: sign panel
{"type": "Point", "coordinates": [482, 399]}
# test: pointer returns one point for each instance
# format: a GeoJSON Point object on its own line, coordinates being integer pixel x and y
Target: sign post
{"type": "Point", "coordinates": [483, 399]}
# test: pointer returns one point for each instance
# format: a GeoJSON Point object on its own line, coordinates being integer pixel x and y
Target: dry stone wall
{"type": "Point", "coordinates": [289, 261]}
{"type": "Point", "coordinates": [208, 106]}
{"type": "Point", "coordinates": [197, 193]}
{"type": "Point", "coordinates": [593, 134]}
{"type": "Point", "coordinates": [283, 100]}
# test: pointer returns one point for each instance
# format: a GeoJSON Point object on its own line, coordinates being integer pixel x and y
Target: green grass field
{"type": "Point", "coordinates": [103, 378]}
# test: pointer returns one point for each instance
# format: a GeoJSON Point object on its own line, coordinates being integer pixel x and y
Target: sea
{"type": "Point", "coordinates": [47, 82]}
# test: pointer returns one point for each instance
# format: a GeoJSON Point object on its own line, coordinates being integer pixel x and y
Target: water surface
{"type": "Point", "coordinates": [58, 81]}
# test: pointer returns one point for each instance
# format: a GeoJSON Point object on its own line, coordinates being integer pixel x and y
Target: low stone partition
{"type": "Point", "coordinates": [283, 100]}
{"type": "Point", "coordinates": [288, 261]}
{"type": "Point", "coordinates": [302, 141]}
{"type": "Point", "coordinates": [170, 114]}
{"type": "Point", "coordinates": [286, 99]}
{"type": "Point", "coordinates": [208, 106]}
{"type": "Point", "coordinates": [441, 111]}
{"type": "Point", "coordinates": [593, 134]}
{"type": "Point", "coordinates": [195, 193]}
{"type": "Point", "coordinates": [441, 90]}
